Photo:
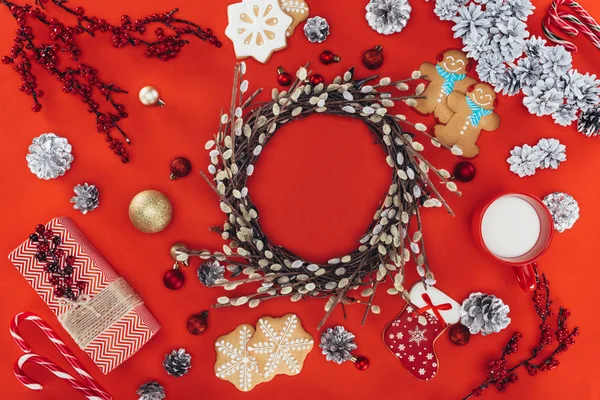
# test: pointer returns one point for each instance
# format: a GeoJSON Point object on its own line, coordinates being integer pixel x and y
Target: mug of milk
{"type": "Point", "coordinates": [516, 229]}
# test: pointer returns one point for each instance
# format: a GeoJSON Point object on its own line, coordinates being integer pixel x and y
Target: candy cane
{"type": "Point", "coordinates": [32, 384]}
{"type": "Point", "coordinates": [60, 345]}
{"type": "Point", "coordinates": [583, 22]}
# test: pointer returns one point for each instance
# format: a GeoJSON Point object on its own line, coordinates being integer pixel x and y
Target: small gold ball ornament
{"type": "Point", "coordinates": [150, 211]}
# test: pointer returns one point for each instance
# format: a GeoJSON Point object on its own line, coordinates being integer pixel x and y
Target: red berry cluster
{"type": "Point", "coordinates": [500, 376]}
{"type": "Point", "coordinates": [83, 80]}
{"type": "Point", "coordinates": [58, 266]}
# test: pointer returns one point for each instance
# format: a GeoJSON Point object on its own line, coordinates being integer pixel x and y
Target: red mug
{"type": "Point", "coordinates": [523, 261]}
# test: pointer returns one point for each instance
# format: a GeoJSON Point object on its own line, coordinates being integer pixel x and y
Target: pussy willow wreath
{"type": "Point", "coordinates": [390, 241]}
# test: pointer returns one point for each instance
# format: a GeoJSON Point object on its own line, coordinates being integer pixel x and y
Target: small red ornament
{"type": "Point", "coordinates": [459, 334]}
{"type": "Point", "coordinates": [373, 58]}
{"type": "Point", "coordinates": [180, 167]}
{"type": "Point", "coordinates": [174, 279]}
{"type": "Point", "coordinates": [327, 57]}
{"type": "Point", "coordinates": [316, 79]}
{"type": "Point", "coordinates": [464, 171]}
{"type": "Point", "coordinates": [284, 78]}
{"type": "Point", "coordinates": [197, 324]}
{"type": "Point", "coordinates": [361, 363]}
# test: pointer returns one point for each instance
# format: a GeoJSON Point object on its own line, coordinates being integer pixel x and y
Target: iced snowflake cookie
{"type": "Point", "coordinates": [280, 345]}
{"type": "Point", "coordinates": [257, 28]}
{"type": "Point", "coordinates": [234, 363]}
{"type": "Point", "coordinates": [298, 10]}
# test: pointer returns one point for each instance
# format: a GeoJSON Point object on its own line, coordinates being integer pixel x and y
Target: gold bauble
{"type": "Point", "coordinates": [150, 211]}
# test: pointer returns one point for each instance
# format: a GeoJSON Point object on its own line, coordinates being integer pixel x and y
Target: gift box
{"type": "Point", "coordinates": [108, 319]}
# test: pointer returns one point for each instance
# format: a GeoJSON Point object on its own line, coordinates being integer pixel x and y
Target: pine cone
{"type": "Point", "coordinates": [86, 198]}
{"type": "Point", "coordinates": [564, 209]}
{"type": "Point", "coordinates": [316, 29]}
{"type": "Point", "coordinates": [210, 272]}
{"type": "Point", "coordinates": [589, 122]}
{"type": "Point", "coordinates": [49, 156]}
{"type": "Point", "coordinates": [177, 363]}
{"type": "Point", "coordinates": [484, 313]}
{"type": "Point", "coordinates": [388, 16]}
{"type": "Point", "coordinates": [337, 343]}
{"type": "Point", "coordinates": [151, 390]}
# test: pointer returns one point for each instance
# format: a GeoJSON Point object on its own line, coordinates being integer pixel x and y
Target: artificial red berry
{"type": "Point", "coordinates": [36, 107]}
{"type": "Point", "coordinates": [40, 228]}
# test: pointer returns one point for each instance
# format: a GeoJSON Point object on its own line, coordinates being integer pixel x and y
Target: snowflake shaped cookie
{"type": "Point", "coordinates": [282, 344]}
{"type": "Point", "coordinates": [234, 363]}
{"type": "Point", "coordinates": [257, 28]}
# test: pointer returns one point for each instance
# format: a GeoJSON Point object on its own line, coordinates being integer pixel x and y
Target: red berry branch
{"type": "Point", "coordinates": [83, 80]}
{"type": "Point", "coordinates": [500, 376]}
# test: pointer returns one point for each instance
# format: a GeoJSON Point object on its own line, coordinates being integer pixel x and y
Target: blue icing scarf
{"type": "Point", "coordinates": [477, 112]}
{"type": "Point", "coordinates": [450, 79]}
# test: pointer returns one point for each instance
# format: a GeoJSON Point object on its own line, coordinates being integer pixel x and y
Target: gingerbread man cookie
{"type": "Point", "coordinates": [473, 113]}
{"type": "Point", "coordinates": [447, 76]}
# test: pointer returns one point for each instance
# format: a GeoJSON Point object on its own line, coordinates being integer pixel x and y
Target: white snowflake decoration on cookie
{"type": "Point", "coordinates": [240, 361]}
{"type": "Point", "coordinates": [257, 28]}
{"type": "Point", "coordinates": [281, 346]}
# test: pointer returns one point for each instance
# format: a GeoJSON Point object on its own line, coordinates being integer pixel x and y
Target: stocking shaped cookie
{"type": "Point", "coordinates": [411, 341]}
{"type": "Point", "coordinates": [298, 10]}
{"type": "Point", "coordinates": [472, 113]}
{"type": "Point", "coordinates": [280, 345]}
{"type": "Point", "coordinates": [447, 76]}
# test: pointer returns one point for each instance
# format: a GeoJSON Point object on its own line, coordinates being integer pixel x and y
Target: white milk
{"type": "Point", "coordinates": [510, 227]}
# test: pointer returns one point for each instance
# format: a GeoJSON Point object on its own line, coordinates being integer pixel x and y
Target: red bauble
{"type": "Point", "coordinates": [373, 58]}
{"type": "Point", "coordinates": [459, 334]}
{"type": "Point", "coordinates": [316, 79]}
{"type": "Point", "coordinates": [174, 279]}
{"type": "Point", "coordinates": [464, 171]}
{"type": "Point", "coordinates": [327, 57]}
{"type": "Point", "coordinates": [180, 167]}
{"type": "Point", "coordinates": [197, 324]}
{"type": "Point", "coordinates": [284, 78]}
{"type": "Point", "coordinates": [361, 363]}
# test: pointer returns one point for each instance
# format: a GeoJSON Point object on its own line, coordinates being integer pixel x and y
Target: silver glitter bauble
{"type": "Point", "coordinates": [564, 209]}
{"type": "Point", "coordinates": [49, 156]}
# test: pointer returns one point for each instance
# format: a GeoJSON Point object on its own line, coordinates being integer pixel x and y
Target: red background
{"type": "Point", "coordinates": [316, 185]}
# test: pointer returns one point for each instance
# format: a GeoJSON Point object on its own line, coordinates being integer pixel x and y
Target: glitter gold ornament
{"type": "Point", "coordinates": [150, 211]}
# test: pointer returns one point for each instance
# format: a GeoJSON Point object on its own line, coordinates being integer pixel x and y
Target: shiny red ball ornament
{"type": "Point", "coordinates": [174, 279]}
{"type": "Point", "coordinates": [361, 363]}
{"type": "Point", "coordinates": [327, 57]}
{"type": "Point", "coordinates": [459, 334]}
{"type": "Point", "coordinates": [180, 167]}
{"type": "Point", "coordinates": [284, 78]}
{"type": "Point", "coordinates": [465, 171]}
{"type": "Point", "coordinates": [316, 79]}
{"type": "Point", "coordinates": [197, 324]}
{"type": "Point", "coordinates": [373, 58]}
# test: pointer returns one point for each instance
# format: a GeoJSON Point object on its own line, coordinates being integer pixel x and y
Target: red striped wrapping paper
{"type": "Point", "coordinates": [124, 337]}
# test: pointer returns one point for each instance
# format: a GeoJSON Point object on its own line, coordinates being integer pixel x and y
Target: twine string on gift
{"type": "Point", "coordinates": [572, 25]}
{"type": "Point", "coordinates": [81, 301]}
{"type": "Point", "coordinates": [85, 322]}
{"type": "Point", "coordinates": [60, 345]}
{"type": "Point", "coordinates": [88, 392]}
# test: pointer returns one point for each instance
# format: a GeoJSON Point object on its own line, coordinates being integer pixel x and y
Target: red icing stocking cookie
{"type": "Point", "coordinates": [412, 342]}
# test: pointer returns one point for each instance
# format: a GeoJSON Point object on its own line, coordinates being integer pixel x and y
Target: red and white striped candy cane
{"type": "Point", "coordinates": [571, 24]}
{"type": "Point", "coordinates": [60, 345]}
{"type": "Point", "coordinates": [32, 384]}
